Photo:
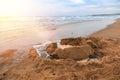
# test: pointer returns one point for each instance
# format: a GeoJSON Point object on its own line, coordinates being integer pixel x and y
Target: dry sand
{"type": "Point", "coordinates": [65, 65]}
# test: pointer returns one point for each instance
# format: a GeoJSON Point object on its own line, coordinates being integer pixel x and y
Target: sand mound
{"type": "Point", "coordinates": [32, 53]}
{"type": "Point", "coordinates": [78, 49]}
{"type": "Point", "coordinates": [76, 53]}
{"type": "Point", "coordinates": [66, 64]}
{"type": "Point", "coordinates": [51, 48]}
{"type": "Point", "coordinates": [71, 41]}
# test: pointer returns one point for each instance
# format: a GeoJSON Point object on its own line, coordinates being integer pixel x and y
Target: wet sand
{"type": "Point", "coordinates": [23, 38]}
{"type": "Point", "coordinates": [18, 38]}
{"type": "Point", "coordinates": [112, 31]}
{"type": "Point", "coordinates": [65, 65]}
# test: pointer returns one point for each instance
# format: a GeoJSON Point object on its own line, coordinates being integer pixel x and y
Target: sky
{"type": "Point", "coordinates": [58, 7]}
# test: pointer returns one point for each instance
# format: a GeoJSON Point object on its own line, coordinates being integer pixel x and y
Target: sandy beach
{"type": "Point", "coordinates": [112, 31]}
{"type": "Point", "coordinates": [22, 35]}
{"type": "Point", "coordinates": [99, 50]}
{"type": "Point", "coordinates": [59, 39]}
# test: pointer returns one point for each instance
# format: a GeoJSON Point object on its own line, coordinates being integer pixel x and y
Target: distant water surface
{"type": "Point", "coordinates": [23, 32]}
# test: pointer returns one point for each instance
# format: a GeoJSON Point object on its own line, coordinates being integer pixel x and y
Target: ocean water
{"type": "Point", "coordinates": [47, 22]}
{"type": "Point", "coordinates": [59, 26]}
{"type": "Point", "coordinates": [24, 32]}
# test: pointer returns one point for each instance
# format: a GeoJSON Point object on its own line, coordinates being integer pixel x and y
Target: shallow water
{"type": "Point", "coordinates": [23, 33]}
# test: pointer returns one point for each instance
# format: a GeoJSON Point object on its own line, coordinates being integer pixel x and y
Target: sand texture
{"type": "Point", "coordinates": [68, 65]}
{"type": "Point", "coordinates": [91, 58]}
{"type": "Point", "coordinates": [112, 31]}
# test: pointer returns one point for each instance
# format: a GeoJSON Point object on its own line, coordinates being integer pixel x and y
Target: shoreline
{"type": "Point", "coordinates": [65, 67]}
{"type": "Point", "coordinates": [27, 37]}
{"type": "Point", "coordinates": [77, 29]}
{"type": "Point", "coordinates": [111, 31]}
{"type": "Point", "coordinates": [103, 33]}
{"type": "Point", "coordinates": [23, 51]}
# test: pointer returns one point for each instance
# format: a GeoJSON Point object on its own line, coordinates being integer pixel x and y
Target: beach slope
{"type": "Point", "coordinates": [93, 58]}
{"type": "Point", "coordinates": [112, 31]}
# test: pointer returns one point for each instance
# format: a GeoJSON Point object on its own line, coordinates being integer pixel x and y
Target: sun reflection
{"type": "Point", "coordinates": [44, 33]}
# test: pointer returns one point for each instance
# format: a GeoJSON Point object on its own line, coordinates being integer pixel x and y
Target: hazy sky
{"type": "Point", "coordinates": [58, 7]}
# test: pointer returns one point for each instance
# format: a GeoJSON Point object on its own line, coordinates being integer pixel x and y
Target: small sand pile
{"type": "Point", "coordinates": [65, 63]}
{"type": "Point", "coordinates": [78, 49]}
{"type": "Point", "coordinates": [76, 53]}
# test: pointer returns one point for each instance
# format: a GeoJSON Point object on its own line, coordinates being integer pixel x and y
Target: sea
{"type": "Point", "coordinates": [23, 32]}
{"type": "Point", "coordinates": [11, 23]}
